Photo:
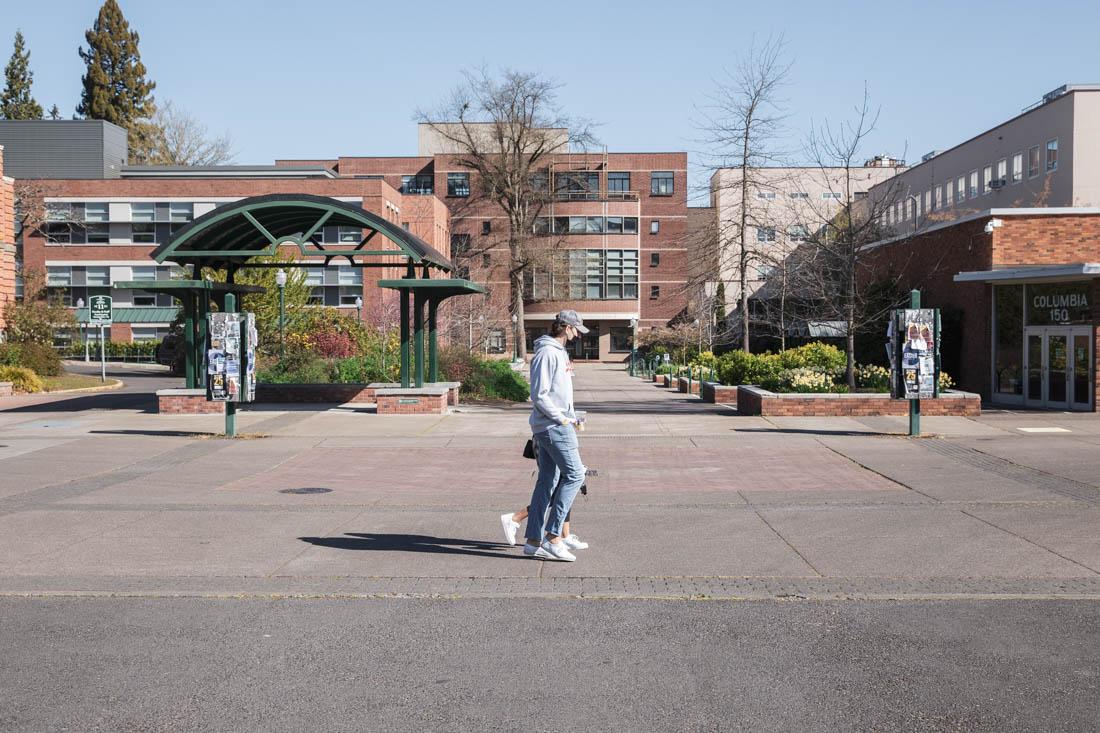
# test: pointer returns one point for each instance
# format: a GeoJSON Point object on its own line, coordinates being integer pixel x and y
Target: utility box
{"type": "Point", "coordinates": [231, 357]}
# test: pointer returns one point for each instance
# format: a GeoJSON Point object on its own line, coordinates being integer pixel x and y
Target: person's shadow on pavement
{"type": "Point", "coordinates": [414, 543]}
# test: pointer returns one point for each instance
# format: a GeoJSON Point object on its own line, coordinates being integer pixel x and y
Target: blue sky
{"type": "Point", "coordinates": [334, 77]}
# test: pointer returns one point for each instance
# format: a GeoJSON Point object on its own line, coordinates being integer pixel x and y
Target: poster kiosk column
{"type": "Point", "coordinates": [231, 360]}
{"type": "Point", "coordinates": [914, 352]}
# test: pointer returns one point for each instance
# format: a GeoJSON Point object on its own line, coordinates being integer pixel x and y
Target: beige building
{"type": "Point", "coordinates": [7, 241]}
{"type": "Point", "coordinates": [785, 206]}
{"type": "Point", "coordinates": [1044, 157]}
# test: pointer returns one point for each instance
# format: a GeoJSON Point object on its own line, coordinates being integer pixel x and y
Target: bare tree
{"type": "Point", "coordinates": [741, 125]}
{"type": "Point", "coordinates": [179, 138]}
{"type": "Point", "coordinates": [833, 271]}
{"type": "Point", "coordinates": [505, 131]}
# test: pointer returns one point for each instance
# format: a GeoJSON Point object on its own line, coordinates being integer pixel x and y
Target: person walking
{"type": "Point", "coordinates": [553, 430]}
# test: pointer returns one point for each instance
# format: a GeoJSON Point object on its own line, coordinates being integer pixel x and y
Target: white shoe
{"type": "Point", "coordinates": [510, 528]}
{"type": "Point", "coordinates": [558, 551]}
{"type": "Point", "coordinates": [573, 542]}
{"type": "Point", "coordinates": [536, 552]}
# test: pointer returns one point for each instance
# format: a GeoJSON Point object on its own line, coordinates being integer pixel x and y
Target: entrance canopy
{"type": "Point", "coordinates": [1037, 273]}
{"type": "Point", "coordinates": [232, 235]}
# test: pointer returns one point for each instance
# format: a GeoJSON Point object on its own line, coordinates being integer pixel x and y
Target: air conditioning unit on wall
{"type": "Point", "coordinates": [997, 183]}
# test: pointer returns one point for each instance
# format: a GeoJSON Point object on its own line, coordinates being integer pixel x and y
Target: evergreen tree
{"type": "Point", "coordinates": [115, 87]}
{"type": "Point", "coordinates": [17, 103]}
{"type": "Point", "coordinates": [54, 113]}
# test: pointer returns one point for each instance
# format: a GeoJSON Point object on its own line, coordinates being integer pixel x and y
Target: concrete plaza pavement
{"type": "Point", "coordinates": [116, 498]}
{"type": "Point", "coordinates": [745, 573]}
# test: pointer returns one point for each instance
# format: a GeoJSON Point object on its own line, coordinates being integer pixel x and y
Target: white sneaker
{"type": "Point", "coordinates": [536, 552]}
{"type": "Point", "coordinates": [510, 528]}
{"type": "Point", "coordinates": [573, 542]}
{"type": "Point", "coordinates": [558, 551]}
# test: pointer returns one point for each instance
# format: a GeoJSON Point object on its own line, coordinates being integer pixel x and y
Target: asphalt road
{"type": "Point", "coordinates": [145, 664]}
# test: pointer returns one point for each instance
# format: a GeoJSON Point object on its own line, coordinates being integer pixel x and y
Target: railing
{"type": "Point", "coordinates": [595, 195]}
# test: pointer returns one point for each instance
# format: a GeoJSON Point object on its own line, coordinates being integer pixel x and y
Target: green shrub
{"type": "Point", "coordinates": [705, 359]}
{"type": "Point", "coordinates": [804, 379]}
{"type": "Point", "coordinates": [739, 367]}
{"type": "Point", "coordinates": [504, 382]}
{"type": "Point", "coordinates": [482, 378]}
{"type": "Point", "coordinates": [361, 370]}
{"type": "Point", "coordinates": [41, 359]}
{"type": "Point", "coordinates": [22, 379]}
{"type": "Point", "coordinates": [816, 355]}
{"type": "Point", "coordinates": [297, 368]}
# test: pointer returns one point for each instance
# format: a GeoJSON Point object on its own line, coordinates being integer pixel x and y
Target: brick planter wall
{"type": "Point", "coordinates": [718, 393]}
{"type": "Point", "coordinates": [336, 393]}
{"type": "Point", "coordinates": [667, 381]}
{"type": "Point", "coordinates": [5, 389]}
{"type": "Point", "coordinates": [682, 385]}
{"type": "Point", "coordinates": [757, 401]}
{"type": "Point", "coordinates": [187, 402]}
{"type": "Point", "coordinates": [412, 401]}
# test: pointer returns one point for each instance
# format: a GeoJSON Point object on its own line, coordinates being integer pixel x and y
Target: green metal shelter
{"type": "Point", "coordinates": [232, 234]}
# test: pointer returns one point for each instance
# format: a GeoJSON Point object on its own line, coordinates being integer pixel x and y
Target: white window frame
{"type": "Point", "coordinates": [99, 207]}
{"type": "Point", "coordinates": [1017, 167]}
{"type": "Point", "coordinates": [1051, 145]}
{"type": "Point", "coordinates": [1002, 171]}
{"type": "Point", "coordinates": [960, 190]}
{"type": "Point", "coordinates": [1038, 161]}
{"type": "Point", "coordinates": [987, 178]}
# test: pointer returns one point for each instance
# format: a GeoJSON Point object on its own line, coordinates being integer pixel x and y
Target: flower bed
{"type": "Point", "coordinates": [753, 400]}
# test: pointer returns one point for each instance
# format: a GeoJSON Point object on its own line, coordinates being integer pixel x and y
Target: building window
{"type": "Point", "coordinates": [927, 201]}
{"type": "Point", "coordinates": [495, 342]}
{"type": "Point", "coordinates": [594, 224]}
{"type": "Point", "coordinates": [937, 203]}
{"type": "Point", "coordinates": [655, 226]}
{"type": "Point", "coordinates": [98, 233]}
{"type": "Point", "coordinates": [486, 260]}
{"type": "Point", "coordinates": [949, 194]}
{"type": "Point", "coordinates": [618, 182]}
{"type": "Point", "coordinates": [798, 232]}
{"type": "Point", "coordinates": [654, 292]}
{"type": "Point", "coordinates": [1017, 167]}
{"type": "Point", "coordinates": [973, 184]}
{"type": "Point", "coordinates": [486, 227]}
{"type": "Point", "coordinates": [1002, 171]}
{"type": "Point", "coordinates": [766, 195]}
{"type": "Point", "coordinates": [577, 185]}
{"type": "Point", "coordinates": [622, 274]}
{"type": "Point", "coordinates": [630, 225]}
{"type": "Point", "coordinates": [58, 233]}
{"type": "Point", "coordinates": [347, 275]}
{"type": "Point", "coordinates": [1052, 155]}
{"type": "Point", "coordinates": [654, 259]}
{"type": "Point", "coordinates": [614, 225]}
{"type": "Point", "coordinates": [59, 277]}
{"type": "Point", "coordinates": [987, 178]}
{"type": "Point", "coordinates": [349, 235]}
{"type": "Point", "coordinates": [960, 190]}
{"type": "Point", "coordinates": [661, 184]}
{"type": "Point", "coordinates": [621, 339]}
{"type": "Point", "coordinates": [143, 233]}
{"type": "Point", "coordinates": [460, 244]}
{"type": "Point", "coordinates": [458, 184]}
{"type": "Point", "coordinates": [349, 294]}
{"type": "Point", "coordinates": [143, 272]}
{"type": "Point", "coordinates": [96, 212]}
{"type": "Point", "coordinates": [97, 277]}
{"type": "Point", "coordinates": [142, 299]}
{"type": "Point", "coordinates": [765, 234]}
{"type": "Point", "coordinates": [145, 333]}
{"type": "Point", "coordinates": [830, 196]}
{"type": "Point", "coordinates": [420, 184]}
{"type": "Point", "coordinates": [799, 195]}
{"type": "Point", "coordinates": [180, 213]}
{"type": "Point", "coordinates": [1033, 161]}
{"type": "Point", "coordinates": [143, 211]}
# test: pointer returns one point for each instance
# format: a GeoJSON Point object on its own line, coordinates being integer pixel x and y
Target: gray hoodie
{"type": "Point", "coordinates": [551, 385]}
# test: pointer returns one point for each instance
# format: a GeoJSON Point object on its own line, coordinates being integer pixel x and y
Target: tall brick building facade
{"type": "Point", "coordinates": [7, 240]}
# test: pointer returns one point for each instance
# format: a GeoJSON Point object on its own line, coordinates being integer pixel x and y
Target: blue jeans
{"type": "Point", "coordinates": [559, 460]}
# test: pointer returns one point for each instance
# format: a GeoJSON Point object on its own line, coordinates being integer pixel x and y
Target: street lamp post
{"type": "Point", "coordinates": [633, 343]}
{"type": "Point", "coordinates": [359, 308]}
{"type": "Point", "coordinates": [515, 337]}
{"type": "Point", "coordinates": [280, 280]}
{"type": "Point", "coordinates": [84, 330]}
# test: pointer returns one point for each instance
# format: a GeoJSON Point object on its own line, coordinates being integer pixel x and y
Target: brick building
{"type": "Point", "coordinates": [616, 224]}
{"type": "Point", "coordinates": [617, 220]}
{"type": "Point", "coordinates": [7, 240]}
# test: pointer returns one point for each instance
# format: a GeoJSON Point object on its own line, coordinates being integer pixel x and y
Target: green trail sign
{"type": "Point", "coordinates": [100, 309]}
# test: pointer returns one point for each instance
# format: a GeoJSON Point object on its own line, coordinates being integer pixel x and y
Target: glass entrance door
{"type": "Point", "coordinates": [1059, 368]}
{"type": "Point", "coordinates": [587, 346]}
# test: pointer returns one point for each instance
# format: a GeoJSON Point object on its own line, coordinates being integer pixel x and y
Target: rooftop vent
{"type": "Point", "coordinates": [928, 156]}
{"type": "Point", "coordinates": [1054, 94]}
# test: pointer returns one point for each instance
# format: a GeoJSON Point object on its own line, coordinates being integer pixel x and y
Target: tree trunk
{"type": "Point", "coordinates": [743, 253]}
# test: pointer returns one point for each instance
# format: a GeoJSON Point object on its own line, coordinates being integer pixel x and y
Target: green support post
{"type": "Point", "coordinates": [914, 405]}
{"type": "Point", "coordinates": [231, 407]}
{"type": "Point", "coordinates": [433, 341]}
{"type": "Point", "coordinates": [189, 365]}
{"type": "Point", "coordinates": [202, 310]}
{"type": "Point", "coordinates": [404, 337]}
{"type": "Point", "coordinates": [418, 337]}
{"type": "Point", "coordinates": [691, 372]}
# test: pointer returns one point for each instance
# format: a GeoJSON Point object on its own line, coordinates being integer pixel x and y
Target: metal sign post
{"type": "Point", "coordinates": [101, 313]}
